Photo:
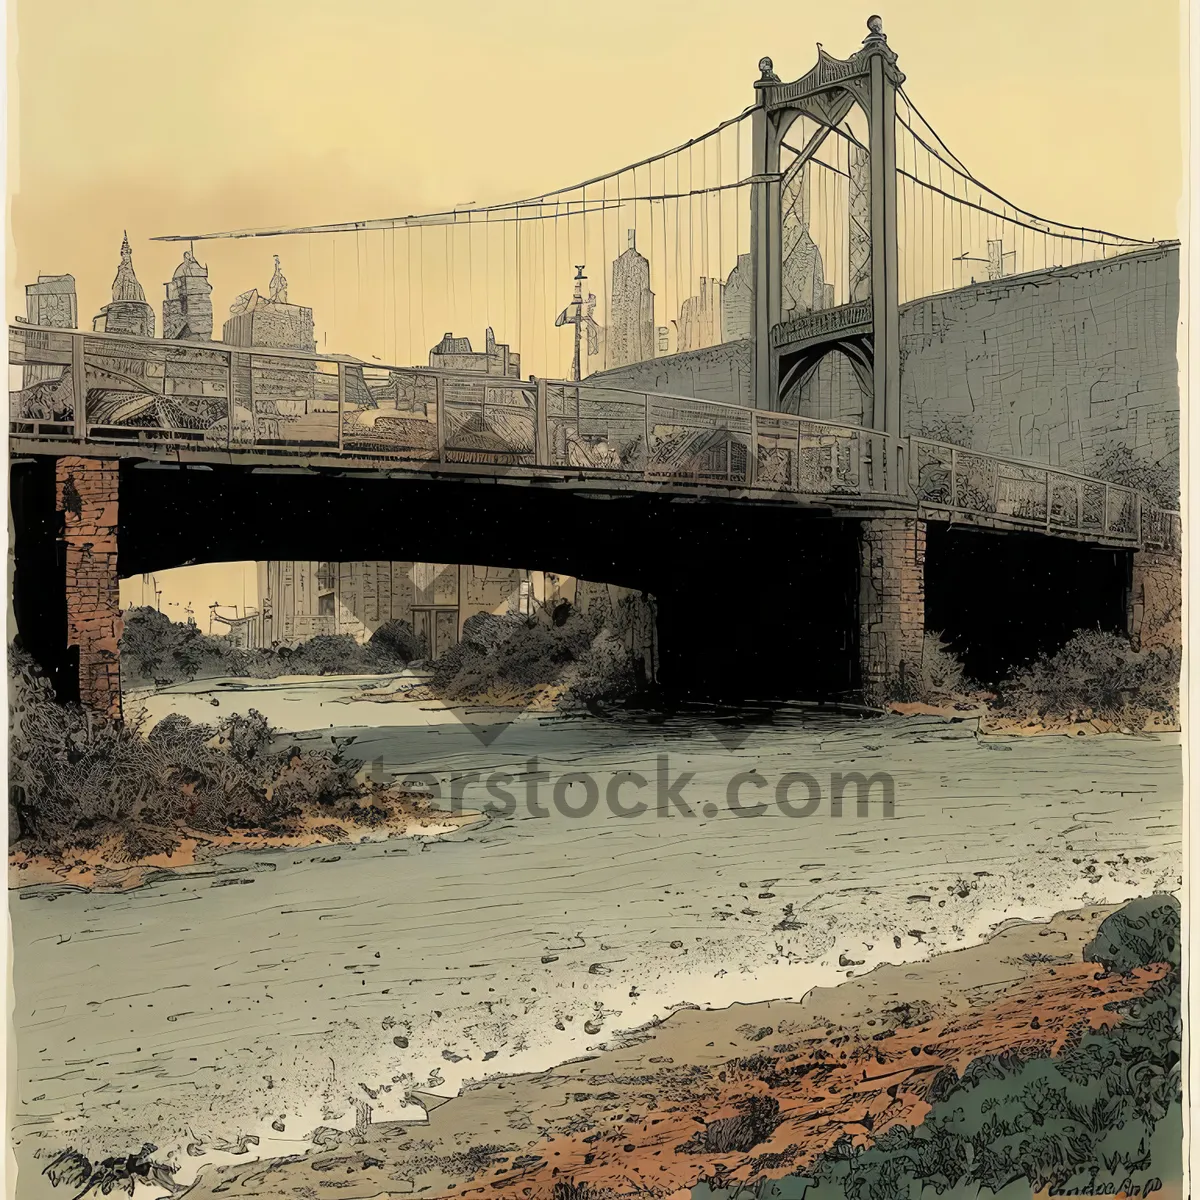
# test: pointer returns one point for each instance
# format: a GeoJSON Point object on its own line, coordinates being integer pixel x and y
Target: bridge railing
{"type": "Point", "coordinates": [598, 427]}
{"type": "Point", "coordinates": [960, 480]}
{"type": "Point", "coordinates": [117, 390]}
{"type": "Point", "coordinates": [128, 390]}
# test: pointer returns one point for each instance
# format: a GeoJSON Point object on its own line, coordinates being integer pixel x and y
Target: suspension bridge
{"type": "Point", "coordinates": [785, 309]}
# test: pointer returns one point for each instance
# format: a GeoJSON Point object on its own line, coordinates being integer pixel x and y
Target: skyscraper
{"type": "Point", "coordinates": [803, 270]}
{"type": "Point", "coordinates": [737, 301]}
{"type": "Point", "coordinates": [700, 317]}
{"type": "Point", "coordinates": [630, 330]}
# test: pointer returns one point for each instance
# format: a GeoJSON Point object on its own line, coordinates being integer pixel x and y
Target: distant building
{"type": "Point", "coordinates": [128, 312]}
{"type": "Point", "coordinates": [242, 628]}
{"type": "Point", "coordinates": [630, 330]}
{"type": "Point", "coordinates": [804, 287]}
{"type": "Point", "coordinates": [51, 301]}
{"type": "Point", "coordinates": [737, 302]}
{"type": "Point", "coordinates": [187, 310]}
{"type": "Point", "coordinates": [860, 224]}
{"type": "Point", "coordinates": [803, 281]}
{"type": "Point", "coordinates": [299, 600]}
{"type": "Point", "coordinates": [256, 322]}
{"type": "Point", "coordinates": [700, 317]}
{"type": "Point", "coordinates": [455, 354]}
{"type": "Point", "coordinates": [283, 389]}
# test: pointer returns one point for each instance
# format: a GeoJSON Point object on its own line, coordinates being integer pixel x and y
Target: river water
{"type": "Point", "coordinates": [266, 993]}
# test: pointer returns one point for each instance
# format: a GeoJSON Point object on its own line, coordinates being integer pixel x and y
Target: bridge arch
{"type": "Point", "coordinates": [840, 373]}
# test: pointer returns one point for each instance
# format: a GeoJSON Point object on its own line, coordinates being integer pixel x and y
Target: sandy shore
{"type": "Point", "coordinates": [856, 1058]}
{"type": "Point", "coordinates": [104, 869]}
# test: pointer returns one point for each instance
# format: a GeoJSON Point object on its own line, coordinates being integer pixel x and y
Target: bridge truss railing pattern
{"type": "Point", "coordinates": [964, 481]}
{"type": "Point", "coordinates": [113, 390]}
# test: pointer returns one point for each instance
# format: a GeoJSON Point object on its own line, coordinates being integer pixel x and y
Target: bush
{"type": "Point", "coordinates": [79, 780]}
{"type": "Point", "coordinates": [1096, 674]}
{"type": "Point", "coordinates": [1070, 1124]}
{"type": "Point", "coordinates": [940, 678]}
{"type": "Point", "coordinates": [1145, 931]}
{"type": "Point", "coordinates": [395, 644]}
{"type": "Point", "coordinates": [1159, 481]}
{"type": "Point", "coordinates": [522, 654]}
{"type": "Point", "coordinates": [953, 431]}
{"type": "Point", "coordinates": [156, 650]}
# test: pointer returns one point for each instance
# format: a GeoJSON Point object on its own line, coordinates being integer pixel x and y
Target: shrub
{"type": "Point", "coordinates": [79, 780]}
{"type": "Point", "coordinates": [156, 650]}
{"type": "Point", "coordinates": [1145, 931]}
{"type": "Point", "coordinates": [940, 677]}
{"type": "Point", "coordinates": [309, 778]}
{"type": "Point", "coordinates": [394, 644]}
{"type": "Point", "coordinates": [1158, 480]}
{"type": "Point", "coordinates": [325, 654]}
{"type": "Point", "coordinates": [1070, 1124]}
{"type": "Point", "coordinates": [954, 431]}
{"type": "Point", "coordinates": [521, 654]}
{"type": "Point", "coordinates": [1096, 674]}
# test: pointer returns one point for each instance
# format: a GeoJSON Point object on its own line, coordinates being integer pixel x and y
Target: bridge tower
{"type": "Point", "coordinates": [870, 79]}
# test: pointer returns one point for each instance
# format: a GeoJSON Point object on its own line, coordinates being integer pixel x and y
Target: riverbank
{"type": "Point", "coordinates": [422, 964]}
{"type": "Point", "coordinates": [107, 867]}
{"type": "Point", "coordinates": [412, 689]}
{"type": "Point", "coordinates": [1000, 723]}
{"type": "Point", "coordinates": [666, 1106]}
{"type": "Point", "coordinates": [548, 698]}
{"type": "Point", "coordinates": [554, 700]}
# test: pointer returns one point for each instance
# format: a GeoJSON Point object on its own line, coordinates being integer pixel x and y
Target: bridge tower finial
{"type": "Point", "coordinates": [875, 31]}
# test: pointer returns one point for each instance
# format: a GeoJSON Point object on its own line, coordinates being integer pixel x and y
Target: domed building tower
{"type": "Point", "coordinates": [128, 312]}
{"type": "Point", "coordinates": [187, 310]}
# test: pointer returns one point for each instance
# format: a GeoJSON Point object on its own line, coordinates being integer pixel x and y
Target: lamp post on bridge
{"type": "Point", "coordinates": [574, 314]}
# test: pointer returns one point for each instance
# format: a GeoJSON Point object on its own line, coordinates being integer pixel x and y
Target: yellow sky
{"type": "Point", "coordinates": [234, 586]}
{"type": "Point", "coordinates": [162, 116]}
{"type": "Point", "coordinates": [176, 117]}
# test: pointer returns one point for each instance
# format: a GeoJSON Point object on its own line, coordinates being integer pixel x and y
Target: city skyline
{"type": "Point", "coordinates": [142, 173]}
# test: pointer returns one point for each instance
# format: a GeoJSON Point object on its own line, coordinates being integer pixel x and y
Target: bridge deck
{"type": "Point", "coordinates": [204, 403]}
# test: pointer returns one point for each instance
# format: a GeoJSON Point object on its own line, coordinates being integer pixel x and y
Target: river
{"type": "Point", "coordinates": [264, 993]}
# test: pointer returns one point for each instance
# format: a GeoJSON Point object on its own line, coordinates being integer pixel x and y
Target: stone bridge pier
{"type": "Point", "coordinates": [86, 494]}
{"type": "Point", "coordinates": [891, 605]}
{"type": "Point", "coordinates": [1155, 615]}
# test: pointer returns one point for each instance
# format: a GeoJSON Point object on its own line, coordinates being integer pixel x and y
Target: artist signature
{"type": "Point", "coordinates": [1125, 1188]}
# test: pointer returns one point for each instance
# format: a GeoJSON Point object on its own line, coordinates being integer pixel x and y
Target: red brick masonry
{"type": "Point", "coordinates": [86, 491]}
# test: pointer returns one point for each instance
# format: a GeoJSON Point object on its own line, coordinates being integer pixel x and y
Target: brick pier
{"type": "Point", "coordinates": [86, 493]}
{"type": "Point", "coordinates": [891, 604]}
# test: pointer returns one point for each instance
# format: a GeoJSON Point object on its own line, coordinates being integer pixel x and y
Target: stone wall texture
{"type": "Point", "coordinates": [891, 605]}
{"type": "Point", "coordinates": [1156, 600]}
{"type": "Point", "coordinates": [1056, 366]}
{"type": "Point", "coordinates": [716, 373]}
{"type": "Point", "coordinates": [86, 491]}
